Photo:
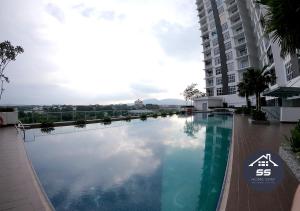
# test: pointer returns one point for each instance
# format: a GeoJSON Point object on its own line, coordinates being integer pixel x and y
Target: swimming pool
{"type": "Point", "coordinates": [173, 163]}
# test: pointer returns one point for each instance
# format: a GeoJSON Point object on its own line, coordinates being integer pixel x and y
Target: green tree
{"type": "Point", "coordinates": [191, 91]}
{"type": "Point", "coordinates": [282, 21]}
{"type": "Point", "coordinates": [8, 53]}
{"type": "Point", "coordinates": [256, 81]}
{"type": "Point", "coordinates": [243, 91]}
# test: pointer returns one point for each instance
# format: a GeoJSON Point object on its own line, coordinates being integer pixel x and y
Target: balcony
{"type": "Point", "coordinates": [238, 30]}
{"type": "Point", "coordinates": [241, 52]}
{"type": "Point", "coordinates": [234, 10]}
{"type": "Point", "coordinates": [237, 19]}
{"type": "Point", "coordinates": [243, 64]}
{"type": "Point", "coordinates": [209, 73]}
{"type": "Point", "coordinates": [207, 55]}
{"type": "Point", "coordinates": [240, 40]}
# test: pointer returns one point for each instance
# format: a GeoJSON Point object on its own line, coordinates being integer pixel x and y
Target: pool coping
{"type": "Point", "coordinates": [43, 192]}
{"type": "Point", "coordinates": [222, 202]}
{"type": "Point", "coordinates": [20, 188]}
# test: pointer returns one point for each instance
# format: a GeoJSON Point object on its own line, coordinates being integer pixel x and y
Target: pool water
{"type": "Point", "coordinates": [168, 164]}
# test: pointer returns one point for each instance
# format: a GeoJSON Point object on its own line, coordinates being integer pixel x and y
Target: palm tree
{"type": "Point", "coordinates": [282, 21]}
{"type": "Point", "coordinates": [255, 81]}
{"type": "Point", "coordinates": [243, 91]}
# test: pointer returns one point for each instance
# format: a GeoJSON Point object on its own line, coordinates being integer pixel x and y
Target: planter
{"type": "Point", "coordinates": [259, 122]}
{"type": "Point", "coordinates": [8, 118]}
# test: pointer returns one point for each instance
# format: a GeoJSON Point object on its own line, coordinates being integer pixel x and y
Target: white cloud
{"type": "Point", "coordinates": [99, 49]}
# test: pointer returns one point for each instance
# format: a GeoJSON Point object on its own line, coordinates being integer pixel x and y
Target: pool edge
{"type": "Point", "coordinates": [42, 194]}
{"type": "Point", "coordinates": [222, 202]}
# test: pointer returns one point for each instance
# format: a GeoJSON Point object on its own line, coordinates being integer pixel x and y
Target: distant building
{"type": "Point", "coordinates": [138, 103]}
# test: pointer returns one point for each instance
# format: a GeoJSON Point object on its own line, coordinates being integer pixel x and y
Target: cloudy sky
{"type": "Point", "coordinates": [100, 51]}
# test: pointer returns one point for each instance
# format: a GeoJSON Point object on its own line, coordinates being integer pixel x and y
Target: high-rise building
{"type": "Point", "coordinates": [234, 40]}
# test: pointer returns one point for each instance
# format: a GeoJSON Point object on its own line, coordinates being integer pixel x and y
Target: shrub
{"type": "Point", "coordinates": [246, 110]}
{"type": "Point", "coordinates": [171, 113]}
{"type": "Point", "coordinates": [80, 122]}
{"type": "Point", "coordinates": [239, 110]}
{"type": "Point", "coordinates": [177, 112]}
{"type": "Point", "coordinates": [47, 124]}
{"type": "Point", "coordinates": [154, 115]}
{"type": "Point", "coordinates": [259, 115]}
{"type": "Point", "coordinates": [107, 120]}
{"type": "Point", "coordinates": [163, 114]}
{"type": "Point", "coordinates": [143, 117]}
{"type": "Point", "coordinates": [295, 138]}
{"type": "Point", "coordinates": [128, 118]}
{"type": "Point", "coordinates": [47, 129]}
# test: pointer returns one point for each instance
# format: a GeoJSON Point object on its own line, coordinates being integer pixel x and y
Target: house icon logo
{"type": "Point", "coordinates": [263, 170]}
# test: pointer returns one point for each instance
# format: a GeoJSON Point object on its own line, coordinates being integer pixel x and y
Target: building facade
{"type": "Point", "coordinates": [233, 40]}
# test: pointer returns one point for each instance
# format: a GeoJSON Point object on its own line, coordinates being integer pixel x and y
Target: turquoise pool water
{"type": "Point", "coordinates": [168, 164]}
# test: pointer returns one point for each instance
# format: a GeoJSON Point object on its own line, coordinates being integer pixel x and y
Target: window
{"type": "Point", "coordinates": [224, 26]}
{"type": "Point", "coordinates": [244, 63]}
{"type": "Point", "coordinates": [230, 66]}
{"type": "Point", "coordinates": [231, 78]}
{"type": "Point", "coordinates": [221, 9]}
{"type": "Point", "coordinates": [215, 42]}
{"type": "Point", "coordinates": [218, 80]}
{"type": "Point", "coordinates": [213, 34]}
{"type": "Point", "coordinates": [242, 52]}
{"type": "Point", "coordinates": [232, 90]}
{"type": "Point", "coordinates": [211, 17]}
{"type": "Point", "coordinates": [217, 60]}
{"type": "Point", "coordinates": [210, 92]}
{"type": "Point", "coordinates": [219, 91]}
{"type": "Point", "coordinates": [229, 55]}
{"type": "Point", "coordinates": [210, 82]}
{"type": "Point", "coordinates": [227, 45]}
{"type": "Point", "coordinates": [226, 35]}
{"type": "Point", "coordinates": [212, 25]}
{"type": "Point", "coordinates": [218, 70]}
{"type": "Point", "coordinates": [216, 51]}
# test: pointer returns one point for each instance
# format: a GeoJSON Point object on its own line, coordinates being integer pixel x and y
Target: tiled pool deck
{"type": "Point", "coordinates": [19, 188]}
{"type": "Point", "coordinates": [247, 139]}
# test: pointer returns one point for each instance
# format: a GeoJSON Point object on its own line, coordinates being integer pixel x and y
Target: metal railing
{"type": "Point", "coordinates": [20, 126]}
{"type": "Point", "coordinates": [30, 117]}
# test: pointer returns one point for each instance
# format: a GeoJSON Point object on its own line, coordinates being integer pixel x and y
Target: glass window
{"type": "Point", "coordinates": [219, 91]}
{"type": "Point", "coordinates": [218, 80]}
{"type": "Point", "coordinates": [218, 70]}
{"type": "Point", "coordinates": [216, 51]}
{"type": "Point", "coordinates": [224, 26]}
{"type": "Point", "coordinates": [217, 60]}
{"type": "Point", "coordinates": [221, 9]}
{"type": "Point", "coordinates": [232, 90]}
{"type": "Point", "coordinates": [231, 78]}
{"type": "Point", "coordinates": [229, 55]}
{"type": "Point", "coordinates": [215, 42]}
{"type": "Point", "coordinates": [226, 35]}
{"type": "Point", "coordinates": [230, 66]}
{"type": "Point", "coordinates": [227, 45]}
{"type": "Point", "coordinates": [210, 92]}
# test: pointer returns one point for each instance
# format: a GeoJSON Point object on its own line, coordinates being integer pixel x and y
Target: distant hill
{"type": "Point", "coordinates": [164, 101]}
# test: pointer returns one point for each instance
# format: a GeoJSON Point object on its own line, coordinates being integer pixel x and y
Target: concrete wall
{"type": "Point", "coordinates": [289, 114]}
